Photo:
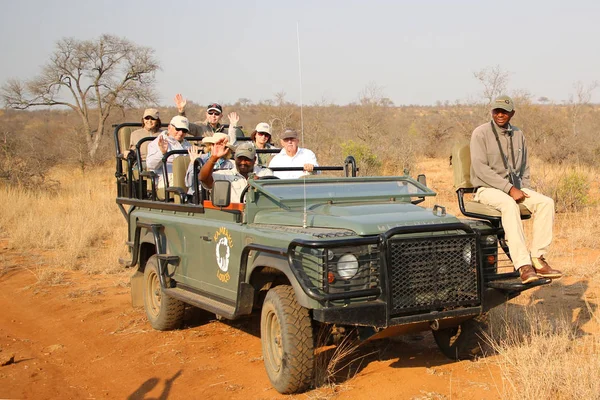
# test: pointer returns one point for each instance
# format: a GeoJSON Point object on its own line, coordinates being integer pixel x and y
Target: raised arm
{"type": "Point", "coordinates": [219, 149]}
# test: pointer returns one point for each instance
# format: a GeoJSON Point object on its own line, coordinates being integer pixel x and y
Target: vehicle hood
{"type": "Point", "coordinates": [364, 219]}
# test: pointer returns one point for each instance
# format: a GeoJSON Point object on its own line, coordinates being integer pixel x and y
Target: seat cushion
{"type": "Point", "coordinates": [483, 209]}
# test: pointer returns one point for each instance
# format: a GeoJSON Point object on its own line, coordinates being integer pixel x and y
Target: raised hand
{"type": "Point", "coordinates": [163, 144]}
{"type": "Point", "coordinates": [220, 148]}
{"type": "Point", "coordinates": [234, 118]}
{"type": "Point", "coordinates": [180, 102]}
{"type": "Point", "coordinates": [194, 152]}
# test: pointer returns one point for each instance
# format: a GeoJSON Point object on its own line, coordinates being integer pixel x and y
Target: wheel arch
{"type": "Point", "coordinates": [270, 270]}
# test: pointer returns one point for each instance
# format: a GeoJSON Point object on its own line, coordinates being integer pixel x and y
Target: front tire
{"type": "Point", "coordinates": [287, 341]}
{"type": "Point", "coordinates": [163, 312]}
{"type": "Point", "coordinates": [463, 342]}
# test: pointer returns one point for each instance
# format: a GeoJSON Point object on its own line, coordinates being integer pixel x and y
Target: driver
{"type": "Point", "coordinates": [245, 164]}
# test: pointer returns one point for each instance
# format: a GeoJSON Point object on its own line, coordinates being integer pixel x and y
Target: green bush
{"type": "Point", "coordinates": [366, 160]}
{"type": "Point", "coordinates": [571, 191]}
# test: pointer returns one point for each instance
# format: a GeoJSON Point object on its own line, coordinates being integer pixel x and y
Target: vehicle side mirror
{"type": "Point", "coordinates": [221, 193]}
{"type": "Point", "coordinates": [422, 179]}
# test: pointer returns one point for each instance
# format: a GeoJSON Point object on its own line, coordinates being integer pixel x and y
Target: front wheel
{"type": "Point", "coordinates": [463, 342]}
{"type": "Point", "coordinates": [164, 312]}
{"type": "Point", "coordinates": [287, 341]}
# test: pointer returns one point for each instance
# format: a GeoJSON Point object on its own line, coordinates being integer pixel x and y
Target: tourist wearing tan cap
{"type": "Point", "coordinates": [223, 162]}
{"type": "Point", "coordinates": [293, 156]}
{"type": "Point", "coordinates": [151, 128]}
{"type": "Point", "coordinates": [261, 137]}
{"type": "Point", "coordinates": [212, 123]}
{"type": "Point", "coordinates": [245, 164]}
{"type": "Point", "coordinates": [500, 171]}
{"type": "Point", "coordinates": [172, 139]}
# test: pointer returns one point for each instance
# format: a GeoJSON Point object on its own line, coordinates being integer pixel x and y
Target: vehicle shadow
{"type": "Point", "coordinates": [146, 387]}
{"type": "Point", "coordinates": [337, 364]}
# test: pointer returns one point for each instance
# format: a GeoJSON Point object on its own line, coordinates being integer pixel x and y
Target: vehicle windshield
{"type": "Point", "coordinates": [348, 188]}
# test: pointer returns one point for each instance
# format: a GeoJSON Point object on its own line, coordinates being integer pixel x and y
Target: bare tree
{"type": "Point", "coordinates": [494, 81]}
{"type": "Point", "coordinates": [92, 77]}
{"type": "Point", "coordinates": [578, 102]}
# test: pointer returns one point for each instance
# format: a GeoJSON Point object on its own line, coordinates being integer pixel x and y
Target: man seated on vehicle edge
{"type": "Point", "coordinates": [245, 164]}
{"type": "Point", "coordinates": [293, 156]}
{"type": "Point", "coordinates": [500, 172]}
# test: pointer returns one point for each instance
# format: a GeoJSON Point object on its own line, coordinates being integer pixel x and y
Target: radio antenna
{"type": "Point", "coordinates": [301, 117]}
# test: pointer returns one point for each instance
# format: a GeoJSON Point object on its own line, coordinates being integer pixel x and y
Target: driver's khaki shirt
{"type": "Point", "coordinates": [238, 182]}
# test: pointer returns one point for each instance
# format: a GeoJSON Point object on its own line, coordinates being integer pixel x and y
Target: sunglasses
{"type": "Point", "coordinates": [263, 134]}
{"type": "Point", "coordinates": [149, 118]}
{"type": "Point", "coordinates": [180, 129]}
{"type": "Point", "coordinates": [214, 113]}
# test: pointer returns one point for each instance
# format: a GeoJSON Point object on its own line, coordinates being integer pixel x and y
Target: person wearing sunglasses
{"type": "Point", "coordinates": [261, 137]}
{"type": "Point", "coordinates": [151, 128]}
{"type": "Point", "coordinates": [171, 139]}
{"type": "Point", "coordinates": [212, 123]}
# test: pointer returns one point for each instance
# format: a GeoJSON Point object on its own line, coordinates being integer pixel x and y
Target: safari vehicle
{"type": "Point", "coordinates": [344, 253]}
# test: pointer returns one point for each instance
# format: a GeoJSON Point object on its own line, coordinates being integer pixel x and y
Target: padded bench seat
{"type": "Point", "coordinates": [474, 207]}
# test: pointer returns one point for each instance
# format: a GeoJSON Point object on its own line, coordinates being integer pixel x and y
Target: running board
{"type": "Point", "coordinates": [203, 302]}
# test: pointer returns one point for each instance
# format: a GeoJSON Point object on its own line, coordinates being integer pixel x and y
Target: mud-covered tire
{"type": "Point", "coordinates": [286, 336]}
{"type": "Point", "coordinates": [463, 342]}
{"type": "Point", "coordinates": [163, 312]}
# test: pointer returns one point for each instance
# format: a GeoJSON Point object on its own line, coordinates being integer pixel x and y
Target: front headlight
{"type": "Point", "coordinates": [347, 266]}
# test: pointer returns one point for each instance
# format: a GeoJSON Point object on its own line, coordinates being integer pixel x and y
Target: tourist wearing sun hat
{"type": "Point", "coordinates": [171, 139]}
{"type": "Point", "coordinates": [151, 128]}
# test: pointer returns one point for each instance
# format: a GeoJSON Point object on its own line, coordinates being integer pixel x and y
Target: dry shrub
{"type": "Point", "coordinates": [78, 227]}
{"type": "Point", "coordinates": [542, 358]}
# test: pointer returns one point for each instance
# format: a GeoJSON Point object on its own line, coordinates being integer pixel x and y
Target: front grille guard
{"type": "Point", "coordinates": [322, 292]}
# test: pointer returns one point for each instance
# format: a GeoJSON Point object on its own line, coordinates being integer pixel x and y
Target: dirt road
{"type": "Point", "coordinates": [81, 339]}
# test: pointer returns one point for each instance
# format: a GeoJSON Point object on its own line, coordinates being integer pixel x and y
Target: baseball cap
{"type": "Point", "coordinates": [215, 107]}
{"type": "Point", "coordinates": [503, 102]}
{"type": "Point", "coordinates": [289, 134]}
{"type": "Point", "coordinates": [180, 122]}
{"type": "Point", "coordinates": [217, 136]}
{"type": "Point", "coordinates": [263, 127]}
{"type": "Point", "coordinates": [247, 150]}
{"type": "Point", "coordinates": [151, 112]}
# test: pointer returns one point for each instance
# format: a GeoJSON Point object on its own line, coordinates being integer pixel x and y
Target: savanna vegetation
{"type": "Point", "coordinates": [58, 199]}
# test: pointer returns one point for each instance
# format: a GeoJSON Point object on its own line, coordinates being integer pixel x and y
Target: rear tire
{"type": "Point", "coordinates": [163, 312]}
{"type": "Point", "coordinates": [463, 342]}
{"type": "Point", "coordinates": [287, 341]}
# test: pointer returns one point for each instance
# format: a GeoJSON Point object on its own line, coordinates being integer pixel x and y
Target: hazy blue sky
{"type": "Point", "coordinates": [417, 51]}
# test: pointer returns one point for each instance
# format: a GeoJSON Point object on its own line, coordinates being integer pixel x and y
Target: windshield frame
{"type": "Point", "coordinates": [268, 187]}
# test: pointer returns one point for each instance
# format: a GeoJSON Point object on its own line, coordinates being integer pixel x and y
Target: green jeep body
{"type": "Point", "coordinates": [332, 251]}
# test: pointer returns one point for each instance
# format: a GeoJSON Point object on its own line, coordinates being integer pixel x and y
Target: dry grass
{"type": "Point", "coordinates": [542, 357]}
{"type": "Point", "coordinates": [77, 227]}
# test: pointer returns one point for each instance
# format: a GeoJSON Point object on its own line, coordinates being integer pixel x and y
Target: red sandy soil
{"type": "Point", "coordinates": [82, 339]}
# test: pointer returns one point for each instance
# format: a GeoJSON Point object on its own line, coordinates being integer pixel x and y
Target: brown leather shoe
{"type": "Point", "coordinates": [528, 274]}
{"type": "Point", "coordinates": [544, 270]}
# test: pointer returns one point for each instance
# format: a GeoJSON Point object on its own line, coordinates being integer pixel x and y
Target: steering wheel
{"type": "Point", "coordinates": [243, 194]}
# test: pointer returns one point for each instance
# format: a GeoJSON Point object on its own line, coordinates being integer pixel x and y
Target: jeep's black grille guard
{"type": "Point", "coordinates": [432, 272]}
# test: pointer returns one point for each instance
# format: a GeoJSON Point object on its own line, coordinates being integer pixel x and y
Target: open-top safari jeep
{"type": "Point", "coordinates": [333, 252]}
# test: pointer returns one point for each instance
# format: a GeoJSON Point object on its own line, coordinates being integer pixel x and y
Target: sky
{"type": "Point", "coordinates": [416, 52]}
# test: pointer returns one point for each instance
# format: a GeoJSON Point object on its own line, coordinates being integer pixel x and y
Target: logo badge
{"type": "Point", "coordinates": [223, 245]}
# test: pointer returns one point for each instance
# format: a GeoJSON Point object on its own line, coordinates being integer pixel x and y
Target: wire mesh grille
{"type": "Point", "coordinates": [433, 273]}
